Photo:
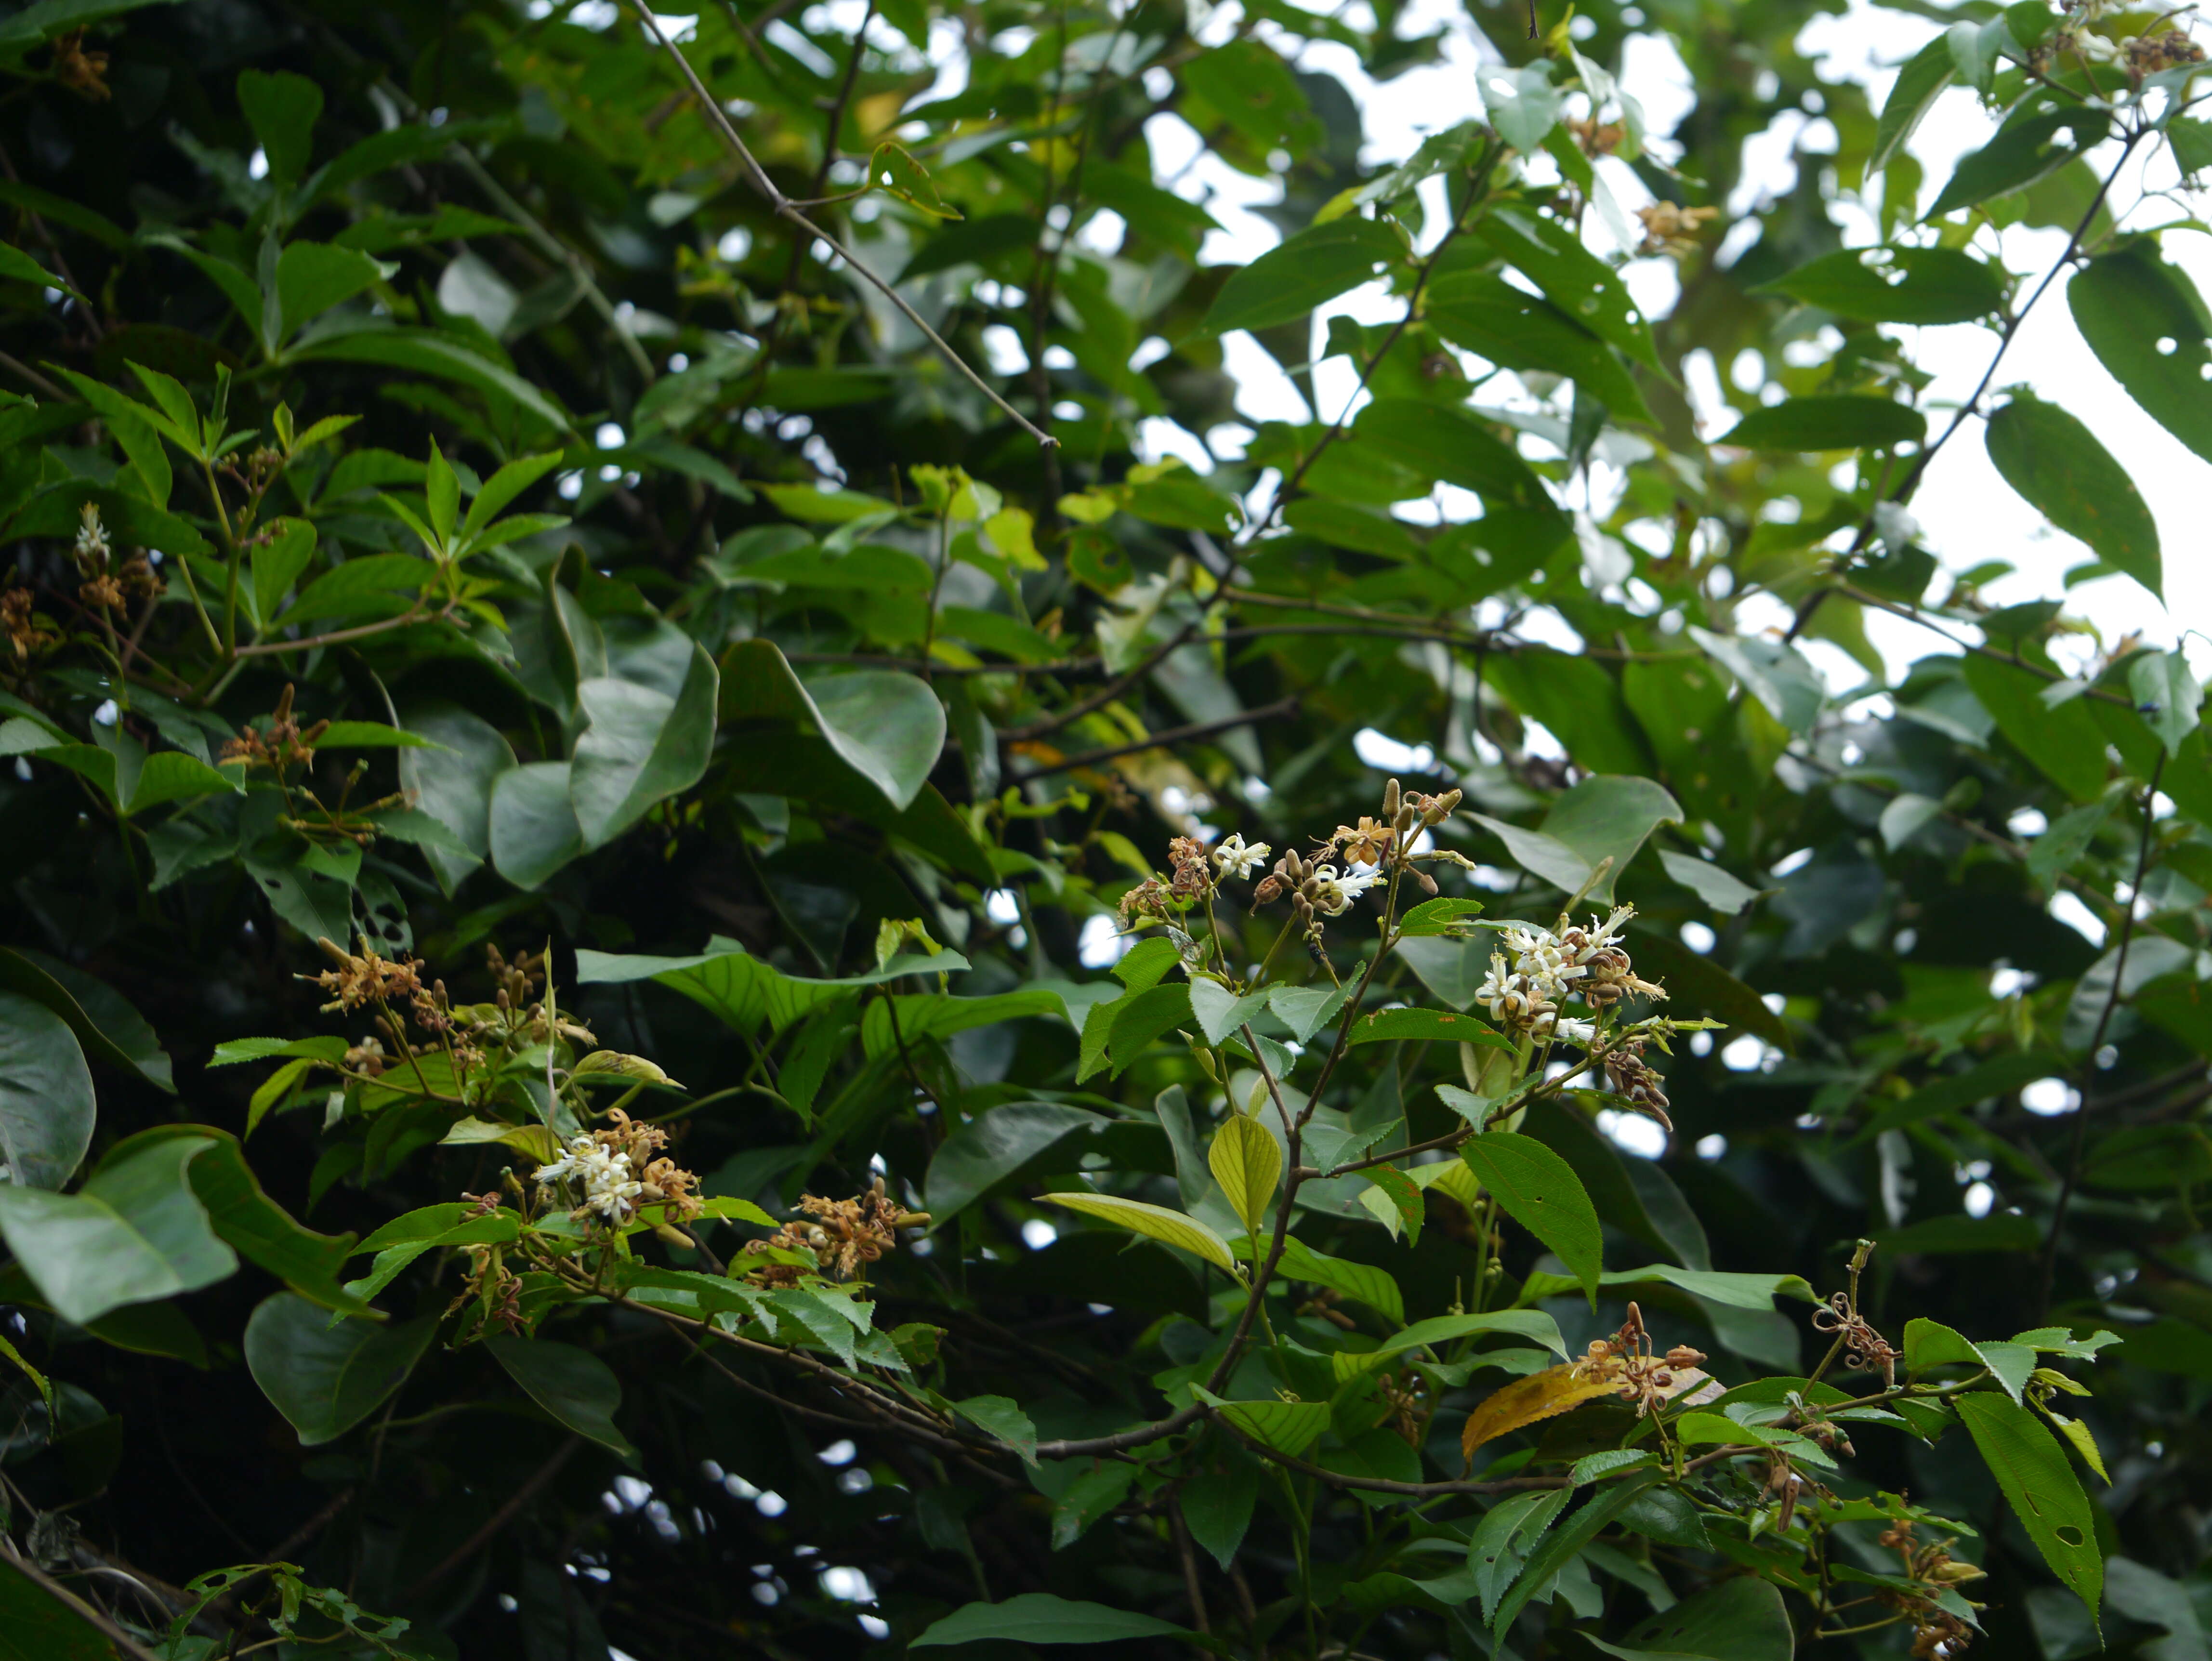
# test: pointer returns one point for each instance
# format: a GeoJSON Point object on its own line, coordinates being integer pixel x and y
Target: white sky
{"type": "Point", "coordinates": [1967, 512]}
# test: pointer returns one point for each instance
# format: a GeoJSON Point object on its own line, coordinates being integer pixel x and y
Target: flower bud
{"type": "Point", "coordinates": [1390, 799]}
{"type": "Point", "coordinates": [1441, 809]}
{"type": "Point", "coordinates": [1404, 819]}
{"type": "Point", "coordinates": [1949, 1573]}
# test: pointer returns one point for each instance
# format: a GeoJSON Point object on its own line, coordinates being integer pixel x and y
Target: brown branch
{"type": "Point", "coordinates": [90, 1613]}
{"type": "Point", "coordinates": [1173, 735]}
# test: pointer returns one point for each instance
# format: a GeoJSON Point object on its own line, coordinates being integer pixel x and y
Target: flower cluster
{"type": "Point", "coordinates": [844, 1237]}
{"type": "Point", "coordinates": [1936, 1631]}
{"type": "Point", "coordinates": [279, 746]}
{"type": "Point", "coordinates": [106, 583]}
{"type": "Point", "coordinates": [1672, 229]}
{"type": "Point", "coordinates": [621, 1168]}
{"type": "Point", "coordinates": [1545, 969]}
{"type": "Point", "coordinates": [29, 631]}
{"type": "Point", "coordinates": [1646, 1378]}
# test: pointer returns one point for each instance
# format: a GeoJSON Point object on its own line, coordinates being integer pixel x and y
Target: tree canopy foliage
{"type": "Point", "coordinates": [691, 969]}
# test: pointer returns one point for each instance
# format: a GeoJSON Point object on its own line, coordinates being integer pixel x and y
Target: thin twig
{"type": "Point", "coordinates": [90, 1613]}
{"type": "Point", "coordinates": [2089, 1068]}
{"type": "Point", "coordinates": [530, 1488]}
{"type": "Point", "coordinates": [1173, 735]}
{"type": "Point", "coordinates": [783, 206]}
{"type": "Point", "coordinates": [1105, 695]}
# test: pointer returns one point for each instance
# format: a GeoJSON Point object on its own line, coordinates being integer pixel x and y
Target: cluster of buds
{"type": "Point", "coordinates": [1636, 1082]}
{"type": "Point", "coordinates": [30, 632]}
{"type": "Point", "coordinates": [1672, 229]}
{"type": "Point", "coordinates": [365, 978]}
{"type": "Point", "coordinates": [2146, 54]}
{"type": "Point", "coordinates": [1645, 1377]}
{"type": "Point", "coordinates": [1196, 872]}
{"type": "Point", "coordinates": [1545, 969]}
{"type": "Point", "coordinates": [1406, 1406]}
{"type": "Point", "coordinates": [1936, 1632]}
{"type": "Point", "coordinates": [621, 1168]}
{"type": "Point", "coordinates": [1595, 138]}
{"type": "Point", "coordinates": [82, 70]}
{"type": "Point", "coordinates": [106, 586]}
{"type": "Point", "coordinates": [1314, 890]}
{"type": "Point", "coordinates": [495, 1289]}
{"type": "Point", "coordinates": [280, 745]}
{"type": "Point", "coordinates": [844, 1237]}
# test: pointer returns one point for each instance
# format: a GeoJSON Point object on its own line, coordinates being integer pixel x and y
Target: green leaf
{"type": "Point", "coordinates": [245, 1218]}
{"type": "Point", "coordinates": [1896, 285]}
{"type": "Point", "coordinates": [280, 554]}
{"type": "Point", "coordinates": [134, 1232]}
{"type": "Point", "coordinates": [326, 1377]}
{"type": "Point", "coordinates": [502, 487]}
{"type": "Point", "coordinates": [1740, 1619]}
{"type": "Point", "coordinates": [1248, 1163]}
{"type": "Point", "coordinates": [453, 782]}
{"type": "Point", "coordinates": [1829, 421]}
{"type": "Point", "coordinates": [442, 498]}
{"type": "Point", "coordinates": [574, 1386]}
{"type": "Point", "coordinates": [2055, 462]}
{"type": "Point", "coordinates": [1445, 442]}
{"type": "Point", "coordinates": [1608, 817]}
{"type": "Point", "coordinates": [45, 1094]}
{"type": "Point", "coordinates": [1565, 1542]}
{"type": "Point", "coordinates": [2041, 1487]}
{"type": "Point", "coordinates": [887, 727]}
{"type": "Point", "coordinates": [1038, 1617]}
{"type": "Point", "coordinates": [641, 747]}
{"type": "Point", "coordinates": [2146, 322]}
{"type": "Point", "coordinates": [994, 1145]}
{"type": "Point", "coordinates": [1306, 270]}
{"type": "Point", "coordinates": [531, 827]}
{"type": "Point", "coordinates": [1530, 1324]}
{"type": "Point", "coordinates": [1142, 1020]}
{"type": "Point", "coordinates": [1218, 1505]}
{"type": "Point", "coordinates": [34, 1626]}
{"type": "Point", "coordinates": [312, 277]}
{"type": "Point", "coordinates": [1551, 255]}
{"type": "Point", "coordinates": [426, 351]}
{"type": "Point", "coordinates": [1540, 1191]}
{"type": "Point", "coordinates": [1288, 1427]}
{"type": "Point", "coordinates": [1954, 1092]}
{"type": "Point", "coordinates": [1396, 1200]}
{"type": "Point", "coordinates": [283, 109]}
{"type": "Point", "coordinates": [1507, 324]}
{"type": "Point", "coordinates": [1719, 889]}
{"type": "Point", "coordinates": [105, 1024]}
{"type": "Point", "coordinates": [1432, 917]}
{"type": "Point", "coordinates": [2025, 148]}
{"type": "Point", "coordinates": [1303, 1008]}
{"type": "Point", "coordinates": [2065, 742]}
{"type": "Point", "coordinates": [1522, 103]}
{"type": "Point", "coordinates": [2166, 696]}
{"type": "Point", "coordinates": [1217, 1011]}
{"type": "Point", "coordinates": [1362, 1281]}
{"type": "Point", "coordinates": [1424, 1025]}
{"type": "Point", "coordinates": [741, 989]}
{"type": "Point", "coordinates": [1153, 1222]}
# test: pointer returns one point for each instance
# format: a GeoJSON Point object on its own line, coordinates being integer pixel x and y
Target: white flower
{"type": "Point", "coordinates": [1561, 1030]}
{"type": "Point", "coordinates": [1233, 859]}
{"type": "Point", "coordinates": [609, 1188]}
{"type": "Point", "coordinates": [1334, 891]}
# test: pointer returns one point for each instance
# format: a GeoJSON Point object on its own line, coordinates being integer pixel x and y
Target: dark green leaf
{"type": "Point", "coordinates": [1540, 1191]}
{"type": "Point", "coordinates": [2050, 458]}
{"type": "Point", "coordinates": [1914, 92]}
{"type": "Point", "coordinates": [33, 1625]}
{"type": "Point", "coordinates": [2146, 322]}
{"type": "Point", "coordinates": [1896, 285]}
{"type": "Point", "coordinates": [1740, 1619]}
{"type": "Point", "coordinates": [574, 1386]}
{"type": "Point", "coordinates": [641, 748]}
{"type": "Point", "coordinates": [135, 1231]}
{"type": "Point", "coordinates": [532, 829]}
{"type": "Point", "coordinates": [2025, 148]}
{"type": "Point", "coordinates": [326, 1376]}
{"type": "Point", "coordinates": [283, 109]}
{"type": "Point", "coordinates": [2041, 1487]}
{"type": "Point", "coordinates": [105, 1024]}
{"type": "Point", "coordinates": [1834, 421]}
{"type": "Point", "coordinates": [1038, 1617]}
{"type": "Point", "coordinates": [994, 1145]}
{"type": "Point", "coordinates": [1309, 270]}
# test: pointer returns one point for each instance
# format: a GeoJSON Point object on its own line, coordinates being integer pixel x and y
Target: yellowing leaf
{"type": "Point", "coordinates": [1525, 1401]}
{"type": "Point", "coordinates": [1152, 1221]}
{"type": "Point", "coordinates": [895, 172]}
{"type": "Point", "coordinates": [2083, 1442]}
{"type": "Point", "coordinates": [1013, 532]}
{"type": "Point", "coordinates": [1246, 1162]}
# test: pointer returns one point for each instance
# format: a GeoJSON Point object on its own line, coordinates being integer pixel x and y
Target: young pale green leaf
{"type": "Point", "coordinates": [1540, 1191]}
{"type": "Point", "coordinates": [1522, 104]}
{"type": "Point", "coordinates": [1248, 1163]}
{"type": "Point", "coordinates": [1362, 1281]}
{"type": "Point", "coordinates": [1436, 916]}
{"type": "Point", "coordinates": [2051, 458]}
{"type": "Point", "coordinates": [1288, 1427]}
{"type": "Point", "coordinates": [1530, 1324]}
{"type": "Point", "coordinates": [1153, 1222]}
{"type": "Point", "coordinates": [1424, 1026]}
{"type": "Point", "coordinates": [2167, 696]}
{"type": "Point", "coordinates": [2044, 1494]}
{"type": "Point", "coordinates": [1396, 1200]}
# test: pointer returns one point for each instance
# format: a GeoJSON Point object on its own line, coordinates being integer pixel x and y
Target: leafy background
{"type": "Point", "coordinates": [772, 674]}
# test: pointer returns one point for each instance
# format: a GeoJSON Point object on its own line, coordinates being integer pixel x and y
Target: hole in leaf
{"type": "Point", "coordinates": [2166, 344]}
{"type": "Point", "coordinates": [2067, 1534]}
